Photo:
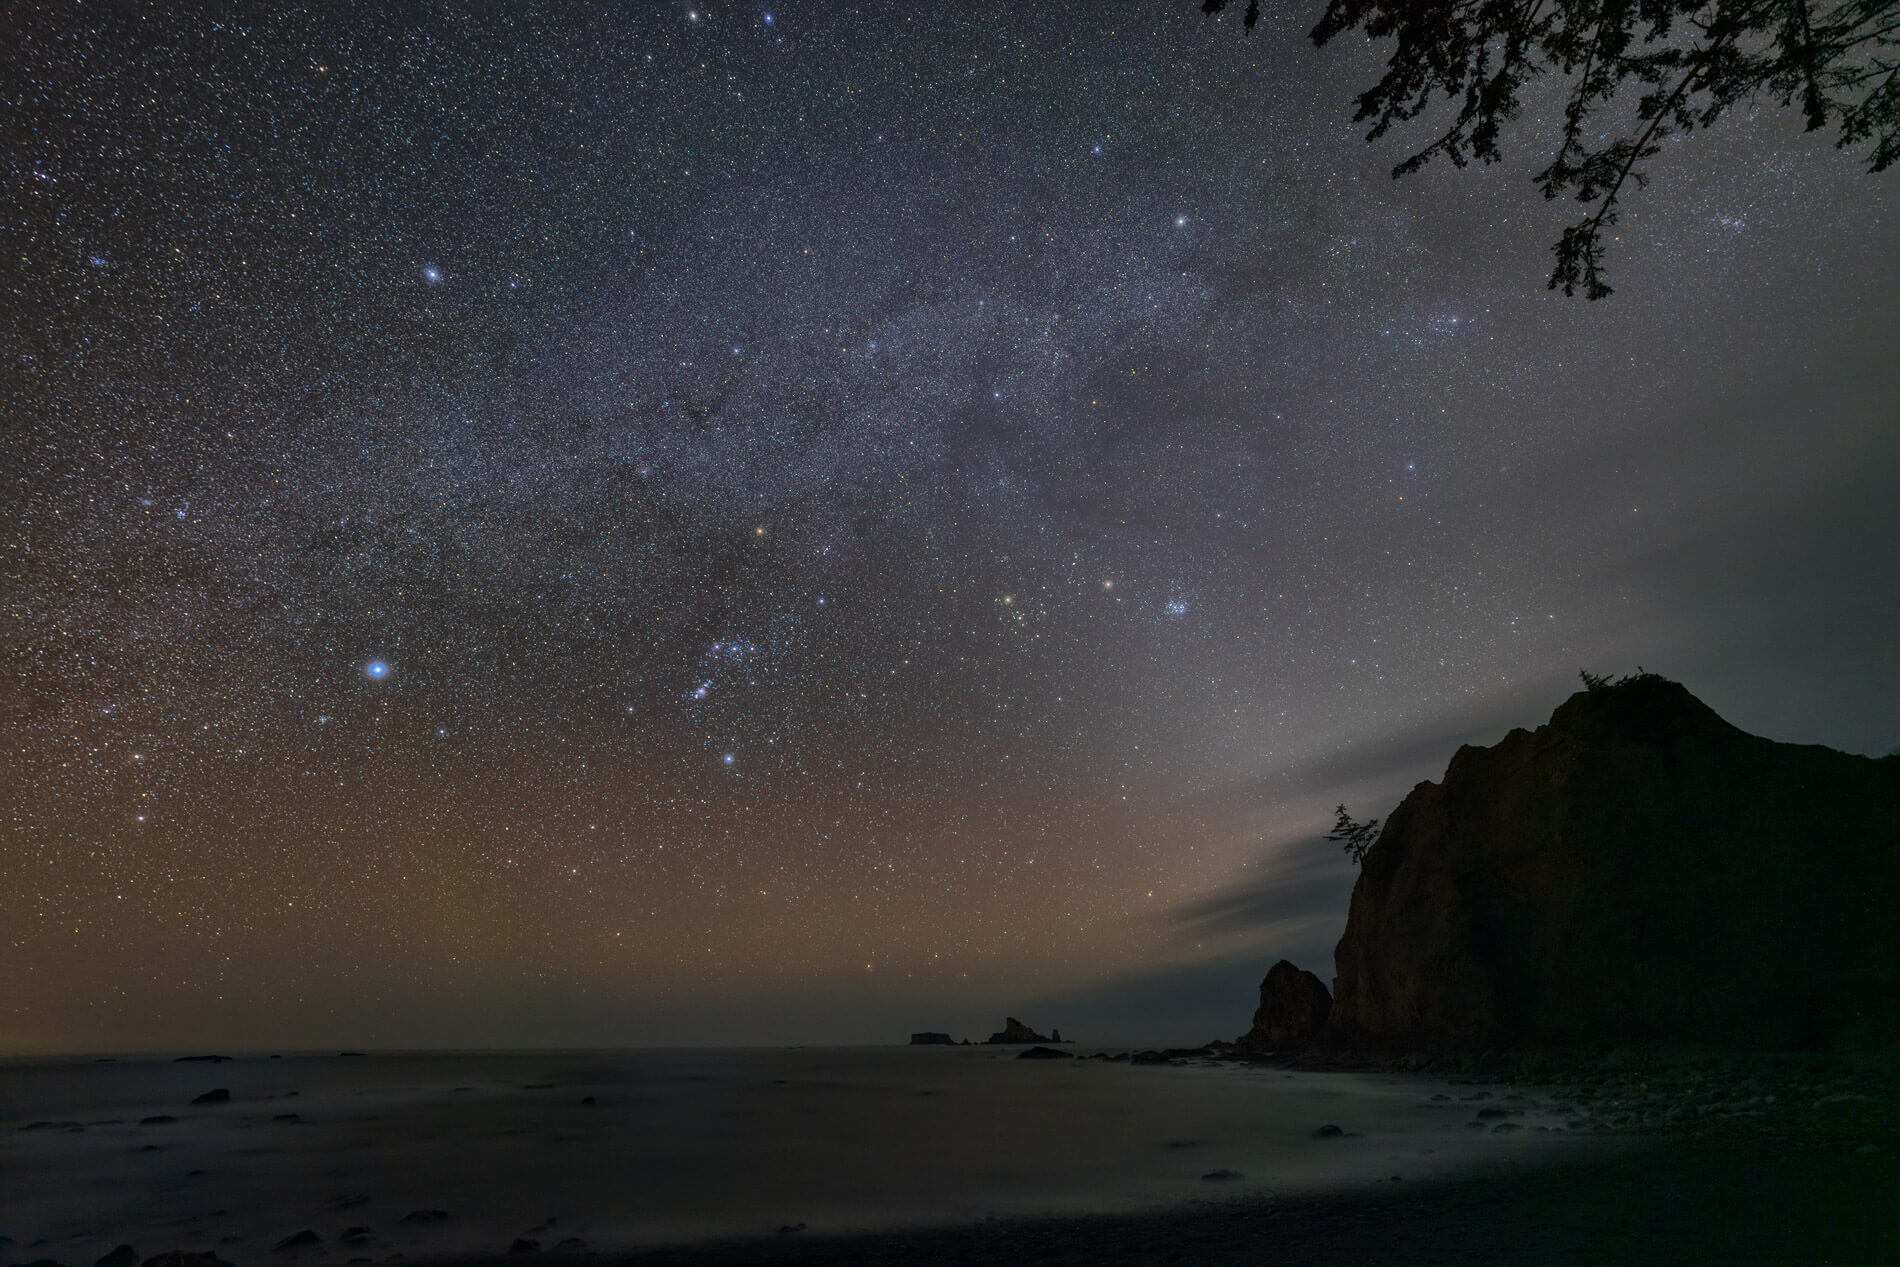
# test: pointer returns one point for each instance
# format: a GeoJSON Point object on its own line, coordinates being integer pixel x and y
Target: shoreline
{"type": "Point", "coordinates": [1701, 1197]}
{"type": "Point", "coordinates": [1689, 1157]}
{"type": "Point", "coordinates": [1720, 1196]}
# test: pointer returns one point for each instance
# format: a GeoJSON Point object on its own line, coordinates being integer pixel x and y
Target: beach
{"type": "Point", "coordinates": [435, 1156]}
{"type": "Point", "coordinates": [946, 1155]}
{"type": "Point", "coordinates": [1611, 1201]}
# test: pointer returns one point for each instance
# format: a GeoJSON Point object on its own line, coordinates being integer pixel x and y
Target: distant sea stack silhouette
{"type": "Point", "coordinates": [1635, 870]}
{"type": "Point", "coordinates": [931, 1038]}
{"type": "Point", "coordinates": [1014, 1031]}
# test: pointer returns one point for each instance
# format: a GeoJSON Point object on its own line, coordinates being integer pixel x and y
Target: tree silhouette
{"type": "Point", "coordinates": [1356, 837]}
{"type": "Point", "coordinates": [1693, 60]}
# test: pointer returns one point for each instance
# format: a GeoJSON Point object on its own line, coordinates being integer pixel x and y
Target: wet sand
{"type": "Point", "coordinates": [967, 1156]}
{"type": "Point", "coordinates": [1627, 1202]}
{"type": "Point", "coordinates": [1707, 1200]}
{"type": "Point", "coordinates": [430, 1156]}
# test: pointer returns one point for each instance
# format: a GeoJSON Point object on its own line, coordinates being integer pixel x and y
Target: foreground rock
{"type": "Point", "coordinates": [1636, 870]}
{"type": "Point", "coordinates": [1294, 1007]}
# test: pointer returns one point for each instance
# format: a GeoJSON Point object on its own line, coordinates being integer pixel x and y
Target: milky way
{"type": "Point", "coordinates": [754, 524]}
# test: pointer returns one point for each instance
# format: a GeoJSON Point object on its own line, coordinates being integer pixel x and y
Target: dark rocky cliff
{"type": "Point", "coordinates": [1635, 870]}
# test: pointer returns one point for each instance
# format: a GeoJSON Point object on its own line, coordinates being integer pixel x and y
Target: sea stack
{"type": "Point", "coordinates": [1014, 1031]}
{"type": "Point", "coordinates": [1294, 1008]}
{"type": "Point", "coordinates": [1635, 870]}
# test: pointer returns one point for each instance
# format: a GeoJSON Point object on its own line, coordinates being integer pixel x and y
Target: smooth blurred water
{"type": "Point", "coordinates": [679, 1145]}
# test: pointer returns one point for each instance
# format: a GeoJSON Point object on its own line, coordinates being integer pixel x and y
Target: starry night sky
{"type": "Point", "coordinates": [540, 526]}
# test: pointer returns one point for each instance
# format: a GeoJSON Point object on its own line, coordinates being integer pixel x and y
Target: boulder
{"type": "Point", "coordinates": [217, 1095]}
{"type": "Point", "coordinates": [1014, 1031]}
{"type": "Point", "coordinates": [1637, 870]}
{"type": "Point", "coordinates": [1294, 1008]}
{"type": "Point", "coordinates": [1044, 1053]}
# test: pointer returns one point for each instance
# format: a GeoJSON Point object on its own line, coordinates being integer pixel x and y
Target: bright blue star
{"type": "Point", "coordinates": [729, 758]}
{"type": "Point", "coordinates": [376, 670]}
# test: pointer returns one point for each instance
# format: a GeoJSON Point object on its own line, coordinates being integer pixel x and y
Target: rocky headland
{"type": "Point", "coordinates": [1635, 871]}
{"type": "Point", "coordinates": [1637, 916]}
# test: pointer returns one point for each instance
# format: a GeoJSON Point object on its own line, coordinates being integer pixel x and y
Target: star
{"type": "Point", "coordinates": [219, 527]}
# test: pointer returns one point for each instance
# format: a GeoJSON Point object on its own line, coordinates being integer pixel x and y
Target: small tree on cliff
{"type": "Point", "coordinates": [1356, 837]}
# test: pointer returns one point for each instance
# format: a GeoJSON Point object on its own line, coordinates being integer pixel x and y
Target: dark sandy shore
{"type": "Point", "coordinates": [1709, 1196]}
{"type": "Point", "coordinates": [1677, 1162]}
{"type": "Point", "coordinates": [1818, 1183]}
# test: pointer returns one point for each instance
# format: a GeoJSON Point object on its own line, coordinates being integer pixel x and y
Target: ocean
{"type": "Point", "coordinates": [433, 1154]}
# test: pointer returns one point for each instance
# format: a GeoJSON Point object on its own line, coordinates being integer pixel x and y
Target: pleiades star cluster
{"type": "Point", "coordinates": [541, 524]}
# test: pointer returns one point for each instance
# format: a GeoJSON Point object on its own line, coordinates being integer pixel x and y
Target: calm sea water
{"type": "Point", "coordinates": [675, 1145]}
